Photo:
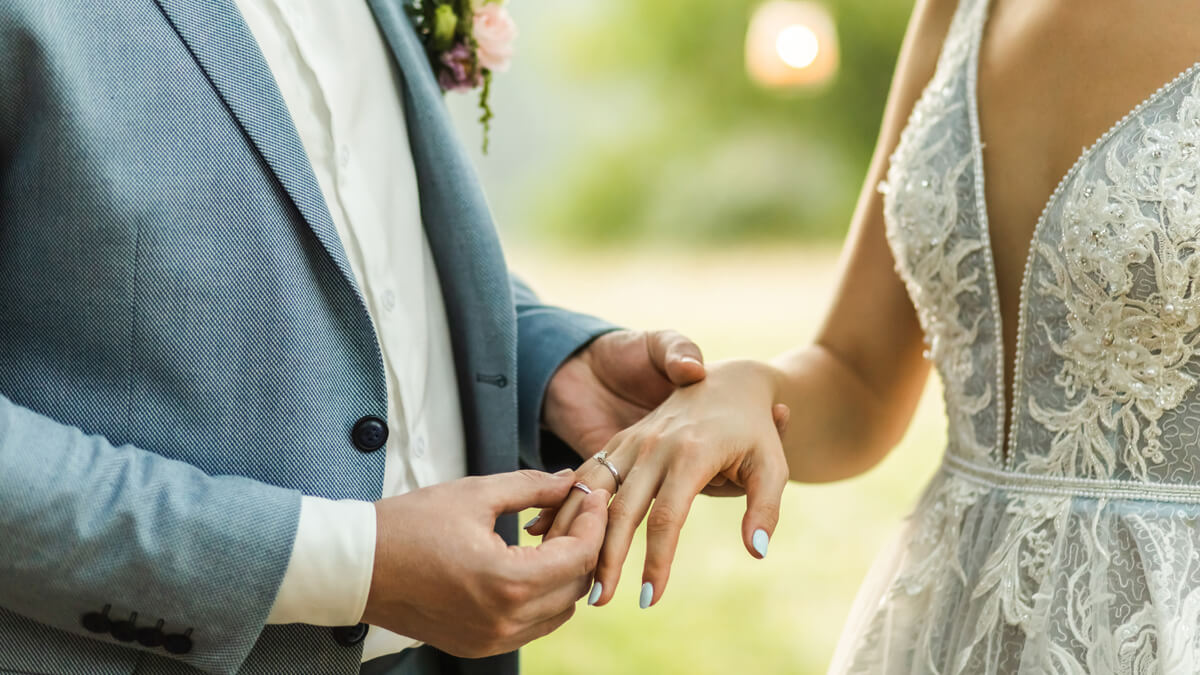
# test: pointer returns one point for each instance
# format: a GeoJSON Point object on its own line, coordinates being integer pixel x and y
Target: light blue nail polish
{"type": "Point", "coordinates": [532, 522]}
{"type": "Point", "coordinates": [760, 541]}
{"type": "Point", "coordinates": [647, 595]}
{"type": "Point", "coordinates": [597, 589]}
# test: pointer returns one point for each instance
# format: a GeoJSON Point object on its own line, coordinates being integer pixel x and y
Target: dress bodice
{"type": "Point", "coordinates": [1074, 550]}
{"type": "Point", "coordinates": [1108, 347]}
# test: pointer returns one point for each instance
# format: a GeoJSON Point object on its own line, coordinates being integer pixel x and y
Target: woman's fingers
{"type": "Point", "coordinates": [765, 474]}
{"type": "Point", "coordinates": [540, 524]}
{"type": "Point", "coordinates": [625, 513]}
{"type": "Point", "coordinates": [564, 516]}
{"type": "Point", "coordinates": [591, 474]}
{"type": "Point", "coordinates": [725, 490]}
{"type": "Point", "coordinates": [663, 525]}
{"type": "Point", "coordinates": [781, 415]}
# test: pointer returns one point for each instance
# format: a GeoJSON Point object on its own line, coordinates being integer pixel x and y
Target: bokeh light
{"type": "Point", "coordinates": [791, 45]}
{"type": "Point", "coordinates": [797, 46]}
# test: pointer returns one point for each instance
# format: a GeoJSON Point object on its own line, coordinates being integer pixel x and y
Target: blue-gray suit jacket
{"type": "Point", "coordinates": [183, 349]}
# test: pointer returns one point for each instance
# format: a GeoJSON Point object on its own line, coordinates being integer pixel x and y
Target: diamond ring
{"type": "Point", "coordinates": [602, 457]}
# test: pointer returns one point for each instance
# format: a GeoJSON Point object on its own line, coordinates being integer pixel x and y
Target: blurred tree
{"type": "Point", "coordinates": [678, 144]}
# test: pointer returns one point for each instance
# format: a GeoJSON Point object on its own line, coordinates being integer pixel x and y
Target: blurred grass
{"type": "Point", "coordinates": [723, 611]}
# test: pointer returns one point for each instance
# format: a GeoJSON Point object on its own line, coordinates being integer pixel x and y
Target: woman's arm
{"type": "Point", "coordinates": [853, 392]}
{"type": "Point", "coordinates": [850, 395]}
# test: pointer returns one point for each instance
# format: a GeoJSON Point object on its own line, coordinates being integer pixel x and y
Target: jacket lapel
{"type": "Point", "coordinates": [466, 248]}
{"type": "Point", "coordinates": [453, 205]}
{"type": "Point", "coordinates": [225, 49]}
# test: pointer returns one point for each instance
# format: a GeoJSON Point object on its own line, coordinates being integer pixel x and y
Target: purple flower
{"type": "Point", "coordinates": [459, 71]}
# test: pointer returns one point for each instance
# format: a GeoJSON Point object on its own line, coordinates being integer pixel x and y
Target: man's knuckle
{"type": "Point", "coordinates": [530, 475]}
{"type": "Point", "coordinates": [566, 616]}
{"type": "Point", "coordinates": [510, 594]}
{"type": "Point", "coordinates": [506, 630]}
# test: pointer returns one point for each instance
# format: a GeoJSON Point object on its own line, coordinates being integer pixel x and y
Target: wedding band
{"type": "Point", "coordinates": [602, 457]}
{"type": "Point", "coordinates": [582, 488]}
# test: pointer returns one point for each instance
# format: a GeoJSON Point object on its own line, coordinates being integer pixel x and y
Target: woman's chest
{"type": "Point", "coordinates": [1053, 76]}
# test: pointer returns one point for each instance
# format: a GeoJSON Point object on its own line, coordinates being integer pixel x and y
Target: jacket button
{"type": "Point", "coordinates": [369, 434]}
{"type": "Point", "coordinates": [178, 643]}
{"type": "Point", "coordinates": [150, 637]}
{"type": "Point", "coordinates": [123, 631]}
{"type": "Point", "coordinates": [348, 636]}
{"type": "Point", "coordinates": [97, 622]}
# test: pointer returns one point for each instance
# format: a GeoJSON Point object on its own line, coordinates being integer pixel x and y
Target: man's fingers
{"type": "Point", "coordinates": [541, 629]}
{"type": "Point", "coordinates": [765, 476]}
{"type": "Point", "coordinates": [663, 525]}
{"type": "Point", "coordinates": [560, 559]}
{"type": "Point", "coordinates": [520, 490]}
{"type": "Point", "coordinates": [591, 521]}
{"type": "Point", "coordinates": [549, 600]}
{"type": "Point", "coordinates": [676, 356]}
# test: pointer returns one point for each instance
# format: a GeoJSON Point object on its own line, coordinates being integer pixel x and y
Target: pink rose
{"type": "Point", "coordinates": [494, 31]}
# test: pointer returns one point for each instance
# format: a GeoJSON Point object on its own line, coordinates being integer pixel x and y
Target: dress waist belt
{"type": "Point", "coordinates": [1012, 481]}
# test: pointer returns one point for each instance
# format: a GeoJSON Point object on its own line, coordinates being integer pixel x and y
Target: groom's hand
{"type": "Point", "coordinates": [443, 576]}
{"type": "Point", "coordinates": [614, 382]}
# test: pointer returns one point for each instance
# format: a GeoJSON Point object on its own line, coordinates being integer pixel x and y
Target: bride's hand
{"type": "Point", "coordinates": [721, 437]}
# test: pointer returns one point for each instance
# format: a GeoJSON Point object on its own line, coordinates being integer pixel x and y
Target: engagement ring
{"type": "Point", "coordinates": [602, 457]}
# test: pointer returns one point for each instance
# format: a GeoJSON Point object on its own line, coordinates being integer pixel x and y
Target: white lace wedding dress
{"type": "Point", "coordinates": [1076, 549]}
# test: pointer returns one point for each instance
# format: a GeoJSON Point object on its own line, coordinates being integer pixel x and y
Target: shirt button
{"type": "Point", "coordinates": [343, 157]}
{"type": "Point", "coordinates": [348, 636]}
{"type": "Point", "coordinates": [419, 447]}
{"type": "Point", "coordinates": [389, 300]}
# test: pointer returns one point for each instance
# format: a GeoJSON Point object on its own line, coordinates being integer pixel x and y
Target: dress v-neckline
{"type": "Point", "coordinates": [1004, 440]}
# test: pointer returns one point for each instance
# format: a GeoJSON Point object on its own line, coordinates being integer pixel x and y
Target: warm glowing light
{"type": "Point", "coordinates": [791, 44]}
{"type": "Point", "coordinates": [797, 46]}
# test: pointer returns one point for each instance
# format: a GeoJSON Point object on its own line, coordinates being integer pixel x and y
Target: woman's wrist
{"type": "Point", "coordinates": [756, 378]}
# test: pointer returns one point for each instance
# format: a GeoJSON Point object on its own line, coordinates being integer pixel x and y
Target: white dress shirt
{"type": "Point", "coordinates": [343, 91]}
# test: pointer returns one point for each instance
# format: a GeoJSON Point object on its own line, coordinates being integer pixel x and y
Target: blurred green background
{"type": "Point", "coordinates": [637, 173]}
{"type": "Point", "coordinates": [633, 120]}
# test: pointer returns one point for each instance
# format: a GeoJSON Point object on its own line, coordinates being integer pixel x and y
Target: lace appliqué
{"type": "Point", "coordinates": [937, 274]}
{"type": "Point", "coordinates": [940, 249]}
{"type": "Point", "coordinates": [1125, 271]}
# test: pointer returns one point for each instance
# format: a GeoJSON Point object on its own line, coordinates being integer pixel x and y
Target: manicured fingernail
{"type": "Point", "coordinates": [597, 589]}
{"type": "Point", "coordinates": [532, 522]}
{"type": "Point", "coordinates": [647, 595]}
{"type": "Point", "coordinates": [760, 541]}
{"type": "Point", "coordinates": [689, 359]}
{"type": "Point", "coordinates": [564, 472]}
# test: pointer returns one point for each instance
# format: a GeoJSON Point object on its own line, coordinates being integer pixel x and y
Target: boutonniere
{"type": "Point", "coordinates": [467, 41]}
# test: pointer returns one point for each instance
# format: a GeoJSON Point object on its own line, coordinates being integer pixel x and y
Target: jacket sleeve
{"type": "Point", "coordinates": [546, 337]}
{"type": "Point", "coordinates": [93, 533]}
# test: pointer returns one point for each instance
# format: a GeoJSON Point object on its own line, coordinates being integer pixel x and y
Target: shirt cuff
{"type": "Point", "coordinates": [329, 574]}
